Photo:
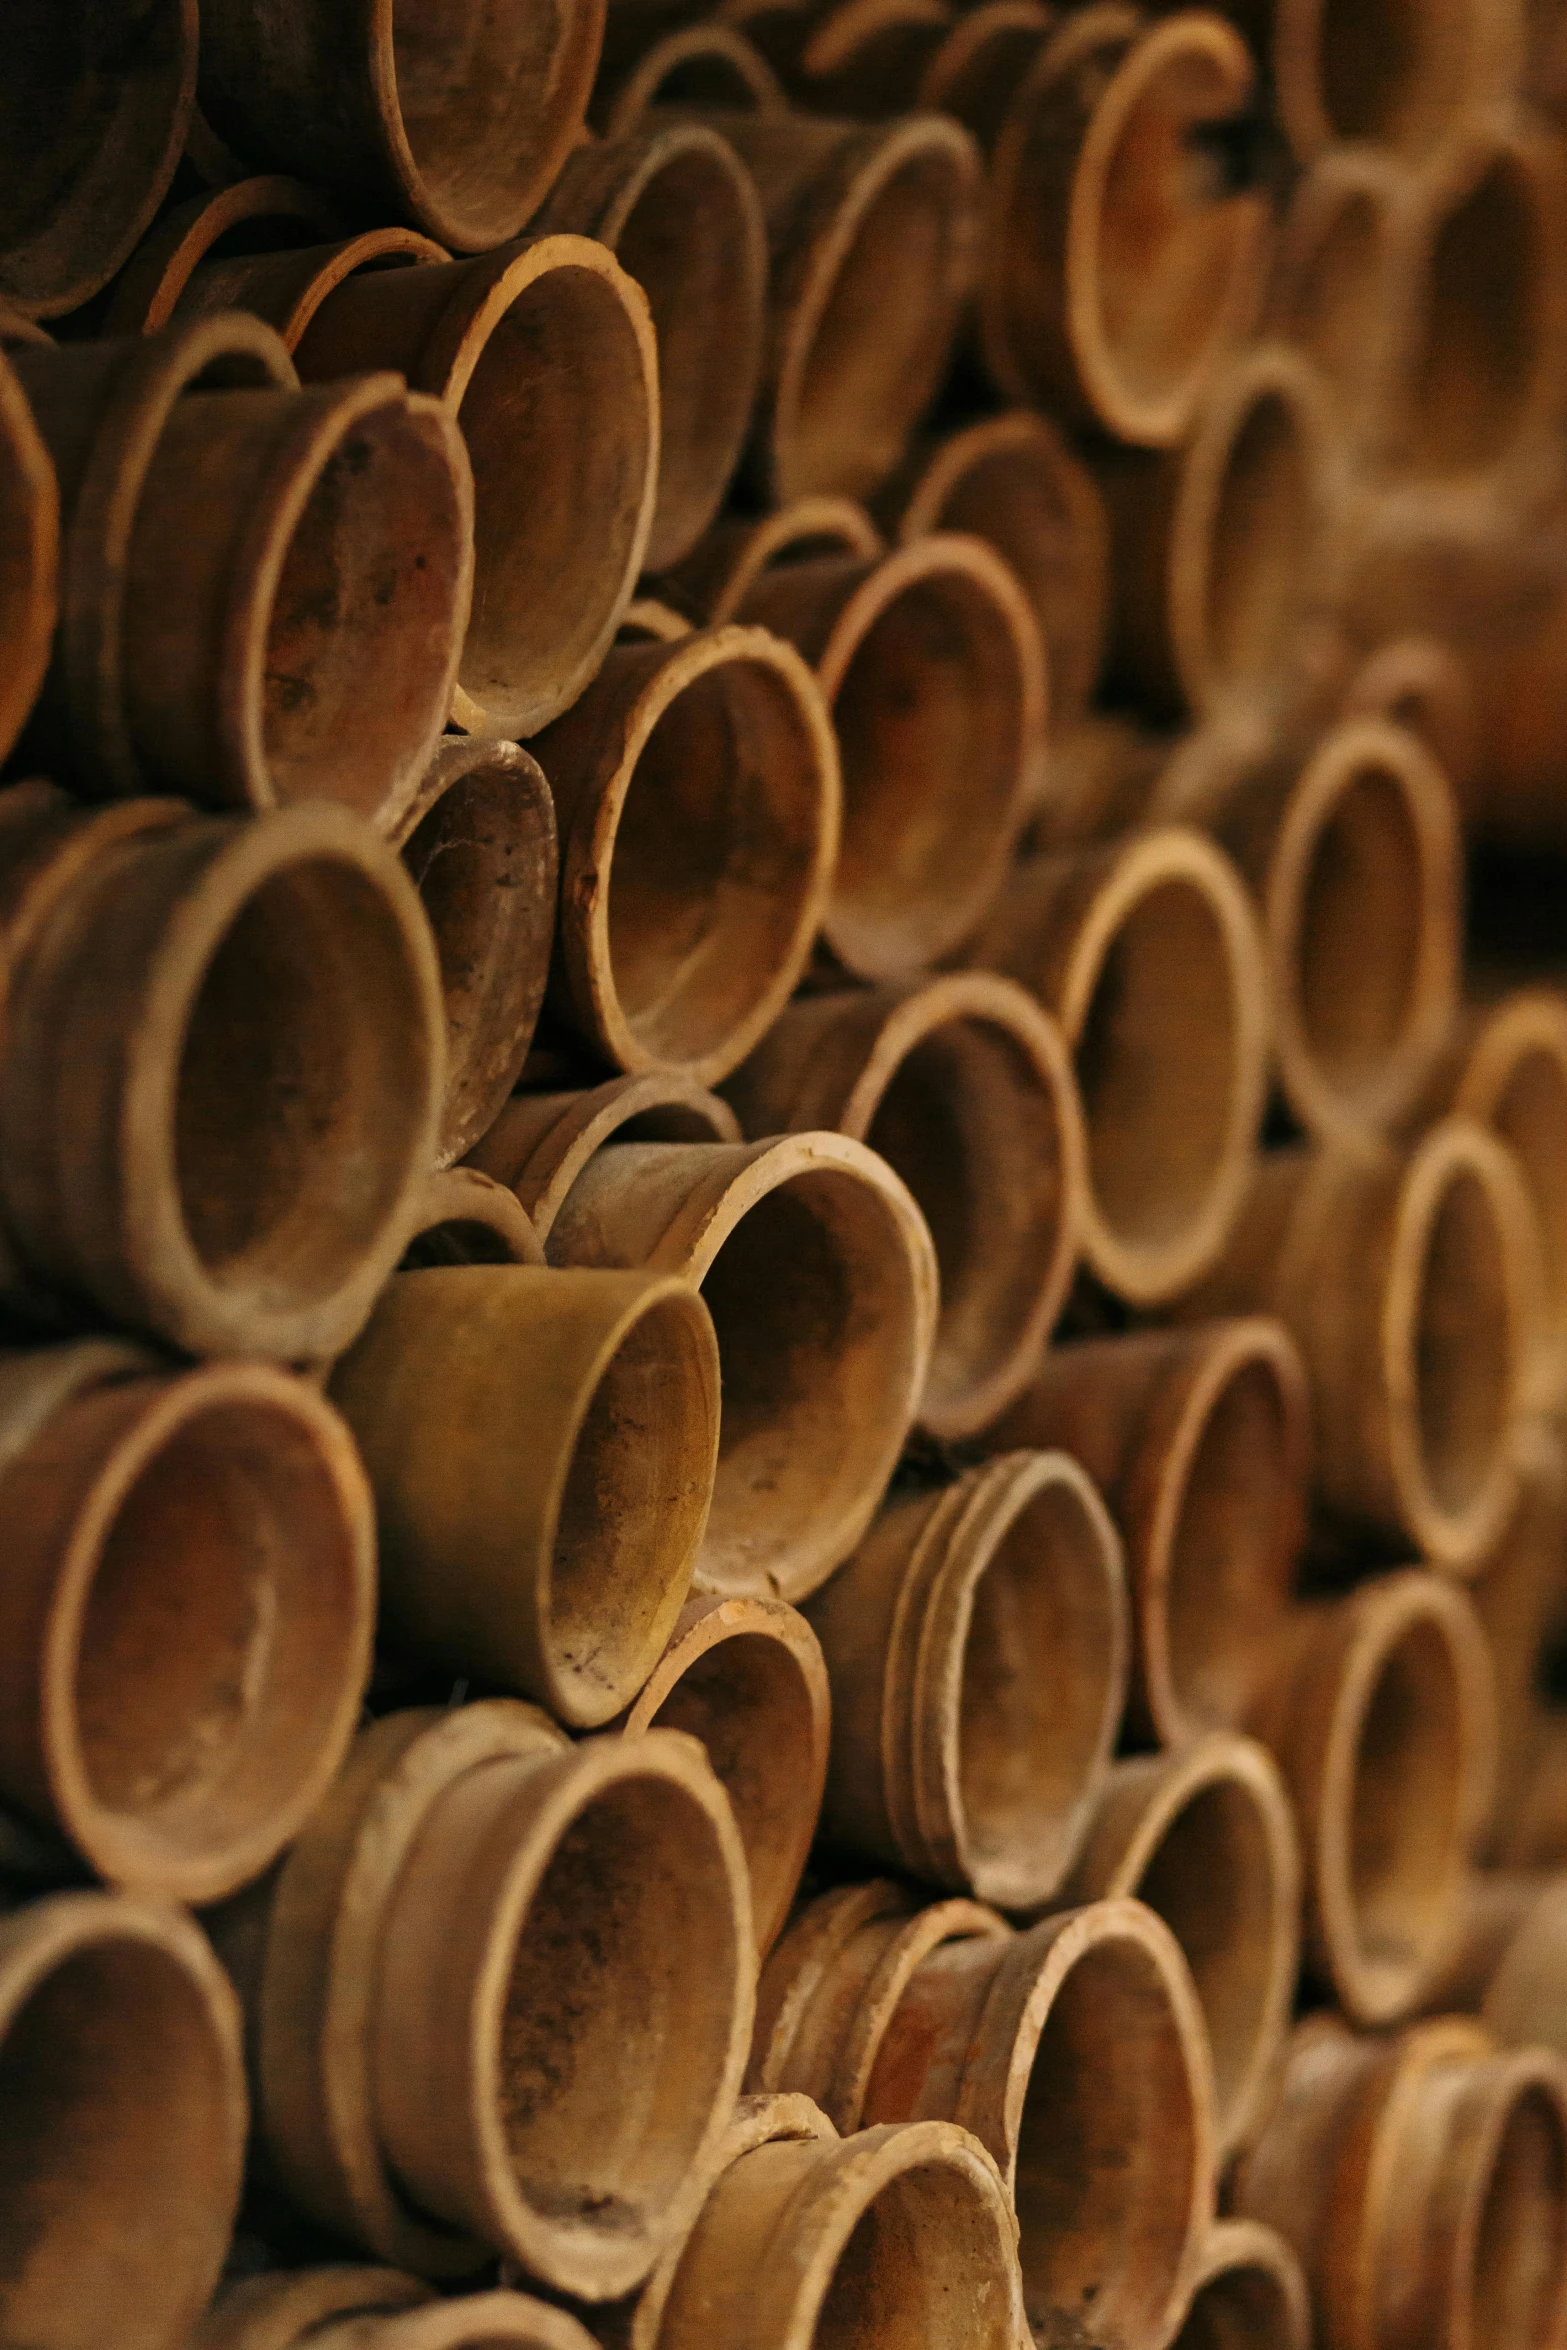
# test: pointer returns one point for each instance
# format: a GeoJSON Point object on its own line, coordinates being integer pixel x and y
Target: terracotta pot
{"type": "Point", "coordinates": [1356, 864]}
{"type": "Point", "coordinates": [1092, 221]}
{"type": "Point", "coordinates": [1423, 684]}
{"type": "Point", "coordinates": [122, 2135]}
{"type": "Point", "coordinates": [746, 1677]}
{"type": "Point", "coordinates": [873, 244]}
{"type": "Point", "coordinates": [544, 352]}
{"type": "Point", "coordinates": [378, 2309]}
{"type": "Point", "coordinates": [964, 1087]}
{"type": "Point", "coordinates": [29, 558]}
{"type": "Point", "coordinates": [868, 58]}
{"type": "Point", "coordinates": [1339, 293]}
{"type": "Point", "coordinates": [1412, 1288]}
{"type": "Point", "coordinates": [952, 1758]}
{"type": "Point", "coordinates": [1388, 77]}
{"type": "Point", "coordinates": [1225, 552]}
{"type": "Point", "coordinates": [1480, 255]}
{"type": "Point", "coordinates": [680, 214]}
{"type": "Point", "coordinates": [155, 281]}
{"type": "Point", "coordinates": [541, 1142]}
{"type": "Point", "coordinates": [465, 1217]}
{"type": "Point", "coordinates": [457, 126]}
{"type": "Point", "coordinates": [803, 2238]}
{"type": "Point", "coordinates": [1200, 1443]}
{"type": "Point", "coordinates": [932, 666]}
{"type": "Point", "coordinates": [676, 961]}
{"type": "Point", "coordinates": [478, 842]}
{"type": "Point", "coordinates": [707, 67]}
{"type": "Point", "coordinates": [649, 621]}
{"type": "Point", "coordinates": [499, 1996]}
{"type": "Point", "coordinates": [1248, 2293]}
{"type": "Point", "coordinates": [222, 1056]}
{"type": "Point", "coordinates": [976, 72]}
{"type": "Point", "coordinates": [1012, 481]}
{"type": "Point", "coordinates": [1421, 2183]}
{"type": "Point", "coordinates": [288, 288]}
{"type": "Point", "coordinates": [1205, 1836]}
{"type": "Point", "coordinates": [1147, 953]}
{"type": "Point", "coordinates": [1383, 1723]}
{"type": "Point", "coordinates": [541, 1446]}
{"type": "Point", "coordinates": [820, 1276]}
{"type": "Point", "coordinates": [717, 576]}
{"type": "Point", "coordinates": [1523, 1935]}
{"type": "Point", "coordinates": [97, 105]}
{"type": "Point", "coordinates": [209, 509]}
{"type": "Point", "coordinates": [187, 1613]}
{"type": "Point", "coordinates": [1517, 1596]}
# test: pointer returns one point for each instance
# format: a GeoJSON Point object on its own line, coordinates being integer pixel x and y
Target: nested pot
{"type": "Point", "coordinates": [378, 2309]}
{"type": "Point", "coordinates": [1249, 2293]}
{"type": "Point", "coordinates": [1406, 80]}
{"type": "Point", "coordinates": [708, 67]}
{"type": "Point", "coordinates": [465, 1217]}
{"type": "Point", "coordinates": [718, 574]}
{"type": "Point", "coordinates": [1338, 292]}
{"type": "Point", "coordinates": [541, 1142]}
{"type": "Point", "coordinates": [257, 218]}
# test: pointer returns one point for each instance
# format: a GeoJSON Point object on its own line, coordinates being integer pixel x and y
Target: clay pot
{"type": "Point", "coordinates": [1421, 2183]}
{"type": "Point", "coordinates": [1012, 481]}
{"type": "Point", "coordinates": [378, 2309]}
{"type": "Point", "coordinates": [803, 2239]}
{"type": "Point", "coordinates": [264, 591]}
{"type": "Point", "coordinates": [544, 352]}
{"type": "Point", "coordinates": [1200, 1442]}
{"type": "Point", "coordinates": [1356, 865]}
{"type": "Point", "coordinates": [478, 842]}
{"type": "Point", "coordinates": [964, 1087]}
{"type": "Point", "coordinates": [288, 288]}
{"type": "Point", "coordinates": [932, 666]}
{"type": "Point", "coordinates": [820, 1276]}
{"type": "Point", "coordinates": [1339, 293]}
{"type": "Point", "coordinates": [122, 2132]}
{"type": "Point", "coordinates": [873, 245]}
{"type": "Point", "coordinates": [187, 1611]}
{"type": "Point", "coordinates": [1524, 1935]}
{"type": "Point", "coordinates": [1224, 553]}
{"type": "Point", "coordinates": [953, 1758]}
{"type": "Point", "coordinates": [1518, 1597]}
{"type": "Point", "coordinates": [1383, 1722]}
{"type": "Point", "coordinates": [97, 105]}
{"type": "Point", "coordinates": [1391, 77]}
{"type": "Point", "coordinates": [457, 125]}
{"type": "Point", "coordinates": [1412, 1288]}
{"type": "Point", "coordinates": [29, 558]}
{"type": "Point", "coordinates": [254, 214]}
{"type": "Point", "coordinates": [976, 72]}
{"type": "Point", "coordinates": [710, 68]}
{"type": "Point", "coordinates": [680, 214]}
{"type": "Point", "coordinates": [541, 1447]}
{"type": "Point", "coordinates": [1206, 1838]}
{"type": "Point", "coordinates": [541, 1142]}
{"type": "Point", "coordinates": [746, 1677]}
{"type": "Point", "coordinates": [467, 1218]}
{"type": "Point", "coordinates": [678, 950]}
{"type": "Point", "coordinates": [1481, 256]}
{"type": "Point", "coordinates": [868, 58]}
{"type": "Point", "coordinates": [1097, 209]}
{"type": "Point", "coordinates": [717, 576]}
{"type": "Point", "coordinates": [499, 1996]}
{"type": "Point", "coordinates": [1424, 685]}
{"type": "Point", "coordinates": [222, 1056]}
{"type": "Point", "coordinates": [1147, 953]}
{"type": "Point", "coordinates": [1248, 2293]}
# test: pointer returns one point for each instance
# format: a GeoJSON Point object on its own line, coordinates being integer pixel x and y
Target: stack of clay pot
{"type": "Point", "coordinates": [783, 1335]}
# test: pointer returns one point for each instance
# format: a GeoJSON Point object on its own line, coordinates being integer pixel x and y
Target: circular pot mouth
{"type": "Point", "coordinates": [478, 111]}
{"type": "Point", "coordinates": [699, 930]}
{"type": "Point", "coordinates": [1512, 2243]}
{"type": "Point", "coordinates": [877, 306]}
{"type": "Point", "coordinates": [294, 1056]}
{"type": "Point", "coordinates": [1392, 74]}
{"type": "Point", "coordinates": [540, 1144]}
{"type": "Point", "coordinates": [628, 1954]}
{"type": "Point", "coordinates": [466, 1218]}
{"type": "Point", "coordinates": [1112, 2141]}
{"type": "Point", "coordinates": [1227, 1521]}
{"type": "Point", "coordinates": [29, 557]}
{"type": "Point", "coordinates": [709, 68]}
{"type": "Point", "coordinates": [93, 127]}
{"type": "Point", "coordinates": [210, 1637]}
{"type": "Point", "coordinates": [1335, 285]}
{"type": "Point", "coordinates": [969, 1097]}
{"type": "Point", "coordinates": [123, 2083]}
{"type": "Point", "coordinates": [565, 477]}
{"type": "Point", "coordinates": [1363, 916]}
{"type": "Point", "coordinates": [718, 578]}
{"type": "Point", "coordinates": [1249, 2290]}
{"type": "Point", "coordinates": [1043, 1577]}
{"type": "Point", "coordinates": [818, 1272]}
{"type": "Point", "coordinates": [936, 678]}
{"type": "Point", "coordinates": [1164, 259]}
{"type": "Point", "coordinates": [1422, 685]}
{"type": "Point", "coordinates": [746, 1677]}
{"type": "Point", "coordinates": [1515, 1083]}
{"type": "Point", "coordinates": [478, 843]}
{"type": "Point", "coordinates": [288, 287]}
{"type": "Point", "coordinates": [1460, 1331]}
{"type": "Point", "coordinates": [263, 214]}
{"type": "Point", "coordinates": [1164, 1012]}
